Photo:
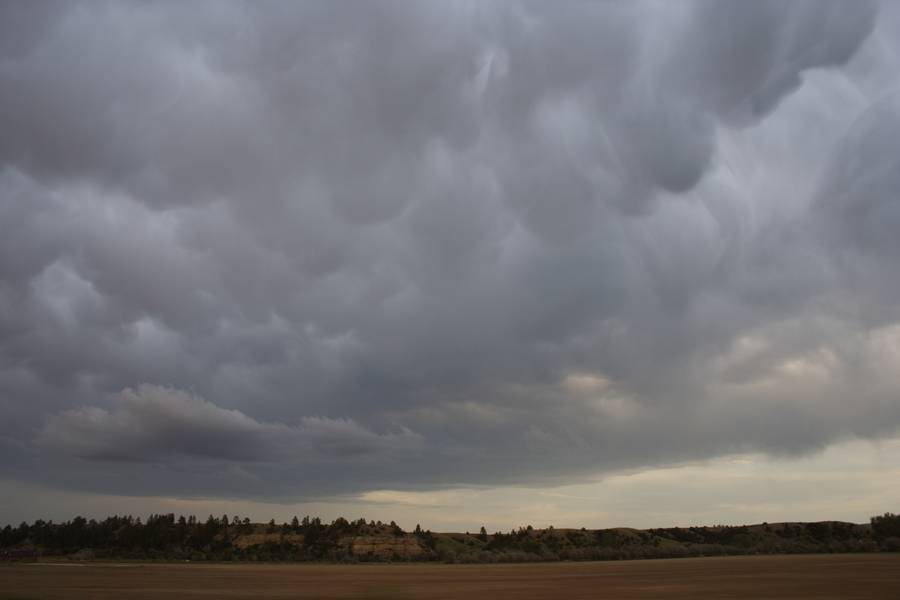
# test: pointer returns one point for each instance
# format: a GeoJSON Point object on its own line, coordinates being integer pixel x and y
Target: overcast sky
{"type": "Point", "coordinates": [582, 263]}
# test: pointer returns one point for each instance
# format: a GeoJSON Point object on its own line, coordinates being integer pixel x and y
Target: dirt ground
{"type": "Point", "coordinates": [819, 576]}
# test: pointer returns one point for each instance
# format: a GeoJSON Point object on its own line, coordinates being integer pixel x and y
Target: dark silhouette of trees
{"type": "Point", "coordinates": [167, 537]}
{"type": "Point", "coordinates": [886, 531]}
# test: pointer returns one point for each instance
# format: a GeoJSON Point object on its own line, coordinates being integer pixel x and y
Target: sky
{"type": "Point", "coordinates": [455, 263]}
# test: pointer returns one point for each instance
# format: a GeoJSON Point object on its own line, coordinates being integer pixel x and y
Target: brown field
{"type": "Point", "coordinates": [815, 576]}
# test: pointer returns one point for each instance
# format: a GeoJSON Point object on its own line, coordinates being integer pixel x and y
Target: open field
{"type": "Point", "coordinates": [811, 576]}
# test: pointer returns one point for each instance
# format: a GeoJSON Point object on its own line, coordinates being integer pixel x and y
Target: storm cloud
{"type": "Point", "coordinates": [286, 250]}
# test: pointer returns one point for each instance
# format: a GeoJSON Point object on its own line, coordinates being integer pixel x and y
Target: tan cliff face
{"type": "Point", "coordinates": [387, 546]}
{"type": "Point", "coordinates": [247, 540]}
{"type": "Point", "coordinates": [378, 545]}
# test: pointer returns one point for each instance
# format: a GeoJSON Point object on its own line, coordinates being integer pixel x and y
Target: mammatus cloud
{"type": "Point", "coordinates": [292, 250]}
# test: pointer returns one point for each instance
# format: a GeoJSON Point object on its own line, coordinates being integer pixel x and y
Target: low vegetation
{"type": "Point", "coordinates": [165, 537]}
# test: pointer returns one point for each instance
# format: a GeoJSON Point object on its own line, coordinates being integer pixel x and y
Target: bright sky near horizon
{"type": "Point", "coordinates": [849, 481]}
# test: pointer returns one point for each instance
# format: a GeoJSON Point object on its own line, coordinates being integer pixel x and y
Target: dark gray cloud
{"type": "Point", "coordinates": [153, 422]}
{"type": "Point", "coordinates": [287, 250]}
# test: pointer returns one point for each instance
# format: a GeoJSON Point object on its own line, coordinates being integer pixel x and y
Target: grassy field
{"type": "Point", "coordinates": [812, 576]}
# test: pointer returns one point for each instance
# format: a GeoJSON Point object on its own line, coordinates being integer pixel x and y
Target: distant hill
{"type": "Point", "coordinates": [163, 537]}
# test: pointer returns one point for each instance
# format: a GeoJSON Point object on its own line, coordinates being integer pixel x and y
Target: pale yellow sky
{"type": "Point", "coordinates": [849, 481]}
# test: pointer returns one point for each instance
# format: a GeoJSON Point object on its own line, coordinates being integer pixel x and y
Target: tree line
{"type": "Point", "coordinates": [167, 537]}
